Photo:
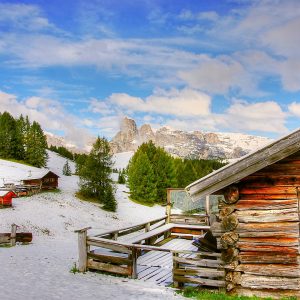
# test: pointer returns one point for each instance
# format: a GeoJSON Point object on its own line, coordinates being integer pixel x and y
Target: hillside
{"type": "Point", "coordinates": [45, 265]}
{"type": "Point", "coordinates": [195, 144]}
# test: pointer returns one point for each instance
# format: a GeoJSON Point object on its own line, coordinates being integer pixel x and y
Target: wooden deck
{"type": "Point", "coordinates": [157, 266]}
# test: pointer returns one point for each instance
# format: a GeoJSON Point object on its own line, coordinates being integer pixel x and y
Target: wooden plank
{"type": "Point", "coordinates": [197, 253]}
{"type": "Point", "coordinates": [273, 190]}
{"type": "Point", "coordinates": [201, 272]}
{"type": "Point", "coordinates": [82, 250]}
{"type": "Point", "coordinates": [267, 241]}
{"type": "Point", "coordinates": [258, 257]}
{"type": "Point", "coordinates": [256, 180]}
{"type": "Point", "coordinates": [263, 216]}
{"type": "Point", "coordinates": [200, 281]}
{"type": "Point", "coordinates": [278, 270]}
{"type": "Point", "coordinates": [200, 263]}
{"type": "Point", "coordinates": [269, 282]}
{"type": "Point", "coordinates": [110, 258]}
{"type": "Point", "coordinates": [108, 267]}
{"type": "Point", "coordinates": [263, 234]}
{"type": "Point", "coordinates": [280, 227]}
{"type": "Point", "coordinates": [266, 204]}
{"type": "Point", "coordinates": [109, 245]}
{"type": "Point", "coordinates": [267, 196]}
{"type": "Point", "coordinates": [267, 293]}
{"type": "Point", "coordinates": [13, 235]}
{"type": "Point", "coordinates": [267, 248]}
{"type": "Point", "coordinates": [4, 238]}
{"type": "Point", "coordinates": [127, 230]}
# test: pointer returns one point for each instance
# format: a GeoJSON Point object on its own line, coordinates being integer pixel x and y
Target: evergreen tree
{"type": "Point", "coordinates": [141, 178]}
{"type": "Point", "coordinates": [36, 143]}
{"type": "Point", "coordinates": [9, 147]}
{"type": "Point", "coordinates": [66, 169]}
{"type": "Point", "coordinates": [80, 160]}
{"type": "Point", "coordinates": [95, 174]}
{"type": "Point", "coordinates": [164, 171]}
{"type": "Point", "coordinates": [121, 177]}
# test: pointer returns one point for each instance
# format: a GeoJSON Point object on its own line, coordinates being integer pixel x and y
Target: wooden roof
{"type": "Point", "coordinates": [245, 166]}
{"type": "Point", "coordinates": [39, 175]}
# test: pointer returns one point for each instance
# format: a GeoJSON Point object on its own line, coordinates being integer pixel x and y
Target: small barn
{"type": "Point", "coordinates": [257, 222]}
{"type": "Point", "coordinates": [43, 180]}
{"type": "Point", "coordinates": [6, 198]}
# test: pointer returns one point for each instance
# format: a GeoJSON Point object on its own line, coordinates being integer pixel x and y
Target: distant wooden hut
{"type": "Point", "coordinates": [43, 180]}
{"type": "Point", "coordinates": [6, 198]}
{"type": "Point", "coordinates": [257, 225]}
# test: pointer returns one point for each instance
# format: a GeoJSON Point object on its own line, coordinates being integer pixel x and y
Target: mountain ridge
{"type": "Point", "coordinates": [186, 144]}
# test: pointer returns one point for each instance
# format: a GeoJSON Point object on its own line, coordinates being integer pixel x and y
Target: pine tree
{"type": "Point", "coordinates": [8, 136]}
{"type": "Point", "coordinates": [36, 143]}
{"type": "Point", "coordinates": [164, 172]}
{"type": "Point", "coordinates": [95, 175]}
{"type": "Point", "coordinates": [141, 179]}
{"type": "Point", "coordinates": [66, 169]}
{"type": "Point", "coordinates": [121, 177]}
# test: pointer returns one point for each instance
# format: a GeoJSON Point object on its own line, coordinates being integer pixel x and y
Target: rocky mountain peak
{"type": "Point", "coordinates": [128, 126]}
{"type": "Point", "coordinates": [196, 144]}
{"type": "Point", "coordinates": [146, 133]}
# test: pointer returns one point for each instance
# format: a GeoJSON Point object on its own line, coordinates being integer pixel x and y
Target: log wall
{"type": "Point", "coordinates": [258, 231]}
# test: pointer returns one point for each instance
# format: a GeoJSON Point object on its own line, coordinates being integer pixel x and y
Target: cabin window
{"type": "Point", "coordinates": [181, 203]}
{"type": "Point", "coordinates": [214, 201]}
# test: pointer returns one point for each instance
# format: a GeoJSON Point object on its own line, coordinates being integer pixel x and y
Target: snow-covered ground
{"type": "Point", "coordinates": [41, 270]}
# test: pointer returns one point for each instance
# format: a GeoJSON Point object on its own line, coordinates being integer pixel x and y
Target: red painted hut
{"type": "Point", "coordinates": [6, 198]}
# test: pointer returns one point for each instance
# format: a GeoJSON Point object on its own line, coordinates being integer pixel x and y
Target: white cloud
{"type": "Point", "coordinates": [241, 116]}
{"type": "Point", "coordinates": [24, 17]}
{"type": "Point", "coordinates": [294, 109]}
{"type": "Point", "coordinates": [185, 102]}
{"type": "Point", "coordinates": [49, 113]}
{"type": "Point", "coordinates": [219, 76]}
{"type": "Point", "coordinates": [100, 107]}
{"type": "Point", "coordinates": [261, 116]}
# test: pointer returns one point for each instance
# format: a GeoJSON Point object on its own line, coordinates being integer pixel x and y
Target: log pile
{"type": "Point", "coordinates": [258, 230]}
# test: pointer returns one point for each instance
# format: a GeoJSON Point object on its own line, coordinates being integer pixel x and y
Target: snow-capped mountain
{"type": "Point", "coordinates": [58, 141]}
{"type": "Point", "coordinates": [195, 144]}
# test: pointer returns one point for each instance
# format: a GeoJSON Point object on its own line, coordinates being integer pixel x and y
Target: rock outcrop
{"type": "Point", "coordinates": [196, 144]}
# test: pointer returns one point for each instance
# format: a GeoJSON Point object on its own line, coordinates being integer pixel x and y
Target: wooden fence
{"type": "Point", "coordinates": [14, 236]}
{"type": "Point", "coordinates": [201, 268]}
{"type": "Point", "coordinates": [117, 252]}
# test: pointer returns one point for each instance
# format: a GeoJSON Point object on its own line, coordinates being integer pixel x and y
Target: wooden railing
{"type": "Point", "coordinates": [109, 252]}
{"type": "Point", "coordinates": [202, 268]}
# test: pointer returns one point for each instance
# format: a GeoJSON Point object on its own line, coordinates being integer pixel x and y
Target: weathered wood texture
{"type": "Point", "coordinates": [259, 234]}
{"type": "Point", "coordinates": [203, 271]}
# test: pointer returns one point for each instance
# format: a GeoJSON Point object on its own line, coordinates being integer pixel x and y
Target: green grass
{"type": "Point", "coordinates": [204, 294]}
{"type": "Point", "coordinates": [5, 246]}
{"type": "Point", "coordinates": [145, 202]}
{"type": "Point", "coordinates": [86, 198]}
{"type": "Point", "coordinates": [74, 269]}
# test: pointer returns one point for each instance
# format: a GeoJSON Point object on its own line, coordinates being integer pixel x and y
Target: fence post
{"type": "Point", "coordinates": [175, 266]}
{"type": "Point", "coordinates": [82, 249]}
{"type": "Point", "coordinates": [13, 235]}
{"type": "Point", "coordinates": [134, 274]}
{"type": "Point", "coordinates": [168, 208]}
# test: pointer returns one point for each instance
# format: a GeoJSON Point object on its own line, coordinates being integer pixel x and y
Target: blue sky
{"type": "Point", "coordinates": [78, 67]}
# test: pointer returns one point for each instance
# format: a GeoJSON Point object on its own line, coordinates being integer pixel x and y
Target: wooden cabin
{"type": "Point", "coordinates": [6, 198]}
{"type": "Point", "coordinates": [44, 180]}
{"type": "Point", "coordinates": [257, 224]}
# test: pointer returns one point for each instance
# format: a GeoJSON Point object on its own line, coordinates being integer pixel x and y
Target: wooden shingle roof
{"type": "Point", "coordinates": [245, 166]}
